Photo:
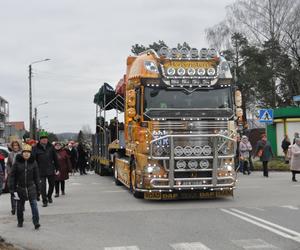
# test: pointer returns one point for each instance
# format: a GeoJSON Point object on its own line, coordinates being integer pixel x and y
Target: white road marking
{"type": "Point", "coordinates": [122, 248]}
{"type": "Point", "coordinates": [189, 246]}
{"type": "Point", "coordinates": [257, 208]}
{"type": "Point", "coordinates": [272, 227]}
{"type": "Point", "coordinates": [253, 244]}
{"type": "Point", "coordinates": [290, 207]}
{"type": "Point", "coordinates": [75, 184]}
{"type": "Point", "coordinates": [114, 191]}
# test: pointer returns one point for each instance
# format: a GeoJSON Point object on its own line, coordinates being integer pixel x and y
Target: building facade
{"type": "Point", "coordinates": [286, 122]}
{"type": "Point", "coordinates": [4, 112]}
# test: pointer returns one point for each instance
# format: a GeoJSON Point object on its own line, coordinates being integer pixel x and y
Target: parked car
{"type": "Point", "coordinates": [4, 151]}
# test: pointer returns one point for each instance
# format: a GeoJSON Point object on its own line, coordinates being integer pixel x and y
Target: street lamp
{"type": "Point", "coordinates": [35, 118]}
{"type": "Point", "coordinates": [30, 94]}
{"type": "Point", "coordinates": [46, 116]}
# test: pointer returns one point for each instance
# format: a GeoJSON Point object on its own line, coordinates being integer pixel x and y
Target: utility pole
{"type": "Point", "coordinates": [30, 95]}
{"type": "Point", "coordinates": [30, 102]}
{"type": "Point", "coordinates": [35, 123]}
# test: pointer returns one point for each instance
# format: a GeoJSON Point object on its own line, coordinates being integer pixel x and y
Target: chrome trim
{"type": "Point", "coordinates": [231, 184]}
{"type": "Point", "coordinates": [215, 157]}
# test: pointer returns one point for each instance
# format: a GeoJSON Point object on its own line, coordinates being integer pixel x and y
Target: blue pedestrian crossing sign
{"type": "Point", "coordinates": [266, 115]}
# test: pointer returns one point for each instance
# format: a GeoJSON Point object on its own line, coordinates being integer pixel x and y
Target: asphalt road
{"type": "Point", "coordinates": [96, 214]}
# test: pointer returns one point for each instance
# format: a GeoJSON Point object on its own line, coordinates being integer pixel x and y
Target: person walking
{"type": "Point", "coordinates": [285, 146]}
{"type": "Point", "coordinates": [295, 158]}
{"type": "Point", "coordinates": [16, 149]}
{"type": "Point", "coordinates": [72, 152]}
{"type": "Point", "coordinates": [265, 153]}
{"type": "Point", "coordinates": [237, 153]}
{"type": "Point", "coordinates": [81, 158]}
{"type": "Point", "coordinates": [296, 135]}
{"type": "Point", "coordinates": [2, 171]}
{"type": "Point", "coordinates": [245, 149]}
{"type": "Point", "coordinates": [64, 168]}
{"type": "Point", "coordinates": [45, 155]}
{"type": "Point", "coordinates": [24, 183]}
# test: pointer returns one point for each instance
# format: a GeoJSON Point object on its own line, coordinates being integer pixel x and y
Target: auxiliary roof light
{"type": "Point", "coordinates": [164, 51]}
{"type": "Point", "coordinates": [184, 52]}
{"type": "Point", "coordinates": [174, 52]}
{"type": "Point", "coordinates": [203, 53]}
{"type": "Point", "coordinates": [171, 71]}
{"type": "Point", "coordinates": [211, 71]}
{"type": "Point", "coordinates": [201, 71]}
{"type": "Point", "coordinates": [181, 71]}
{"type": "Point", "coordinates": [191, 71]}
{"type": "Point", "coordinates": [212, 53]}
{"type": "Point", "coordinates": [194, 53]}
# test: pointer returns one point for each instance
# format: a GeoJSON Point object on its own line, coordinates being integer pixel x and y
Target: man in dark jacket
{"type": "Point", "coordinates": [24, 183]}
{"type": "Point", "coordinates": [45, 155]}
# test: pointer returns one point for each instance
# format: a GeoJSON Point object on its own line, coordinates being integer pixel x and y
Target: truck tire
{"type": "Point", "coordinates": [102, 170]}
{"type": "Point", "coordinates": [117, 182]}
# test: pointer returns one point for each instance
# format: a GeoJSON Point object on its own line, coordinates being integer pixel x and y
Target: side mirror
{"type": "Point", "coordinates": [131, 98]}
{"type": "Point", "coordinates": [239, 112]}
{"type": "Point", "coordinates": [238, 98]}
{"type": "Point", "coordinates": [131, 112]}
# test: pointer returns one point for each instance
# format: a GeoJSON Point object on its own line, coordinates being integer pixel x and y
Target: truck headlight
{"type": "Point", "coordinates": [178, 151]}
{"type": "Point", "coordinates": [192, 164]}
{"type": "Point", "coordinates": [201, 71]}
{"type": "Point", "coordinates": [171, 71]}
{"type": "Point", "coordinates": [181, 71]}
{"type": "Point", "coordinates": [187, 150]}
{"type": "Point", "coordinates": [197, 150]}
{"type": "Point", "coordinates": [158, 150]}
{"type": "Point", "coordinates": [152, 169]}
{"type": "Point", "coordinates": [204, 164]}
{"type": "Point", "coordinates": [206, 150]}
{"type": "Point", "coordinates": [211, 71]}
{"type": "Point", "coordinates": [181, 164]}
{"type": "Point", "coordinates": [151, 66]}
{"type": "Point", "coordinates": [191, 71]}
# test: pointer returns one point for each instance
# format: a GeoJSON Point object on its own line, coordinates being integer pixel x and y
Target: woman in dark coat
{"type": "Point", "coordinates": [15, 150]}
{"type": "Point", "coordinates": [82, 155]}
{"type": "Point", "coordinates": [24, 182]}
{"type": "Point", "coordinates": [65, 167]}
{"type": "Point", "coordinates": [264, 152]}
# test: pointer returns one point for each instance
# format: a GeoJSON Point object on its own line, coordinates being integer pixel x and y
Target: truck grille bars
{"type": "Point", "coordinates": [205, 175]}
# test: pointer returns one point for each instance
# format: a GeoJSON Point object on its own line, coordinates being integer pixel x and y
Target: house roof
{"type": "Point", "coordinates": [17, 125]}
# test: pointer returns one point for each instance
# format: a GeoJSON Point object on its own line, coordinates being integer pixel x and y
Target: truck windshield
{"type": "Point", "coordinates": [179, 99]}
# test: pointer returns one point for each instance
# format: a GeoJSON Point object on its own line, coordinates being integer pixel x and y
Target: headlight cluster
{"type": "Point", "coordinates": [152, 169]}
{"type": "Point", "coordinates": [151, 66]}
{"type": "Point", "coordinates": [192, 164]}
{"type": "Point", "coordinates": [196, 150]}
{"type": "Point", "coordinates": [186, 53]}
{"type": "Point", "coordinates": [190, 71]}
{"type": "Point", "coordinates": [228, 166]}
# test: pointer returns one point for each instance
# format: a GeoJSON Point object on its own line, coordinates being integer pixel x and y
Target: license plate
{"type": "Point", "coordinates": [152, 196]}
{"type": "Point", "coordinates": [189, 183]}
{"type": "Point", "coordinates": [189, 64]}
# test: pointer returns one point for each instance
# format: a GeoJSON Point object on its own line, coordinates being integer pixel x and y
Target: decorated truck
{"type": "Point", "coordinates": [178, 136]}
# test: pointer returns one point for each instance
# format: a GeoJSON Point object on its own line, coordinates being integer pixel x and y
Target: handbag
{"type": "Point", "coordinates": [260, 153]}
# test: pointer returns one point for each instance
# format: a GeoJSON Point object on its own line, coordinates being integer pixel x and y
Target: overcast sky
{"type": "Point", "coordinates": [88, 42]}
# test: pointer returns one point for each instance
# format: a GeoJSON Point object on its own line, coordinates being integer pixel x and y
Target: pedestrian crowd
{"type": "Point", "coordinates": [263, 150]}
{"type": "Point", "coordinates": [33, 166]}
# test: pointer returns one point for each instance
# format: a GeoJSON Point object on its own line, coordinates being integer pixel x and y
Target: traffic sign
{"type": "Point", "coordinates": [296, 98]}
{"type": "Point", "coordinates": [266, 115]}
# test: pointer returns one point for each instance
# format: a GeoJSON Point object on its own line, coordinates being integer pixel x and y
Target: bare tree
{"type": "Point", "coordinates": [258, 20]}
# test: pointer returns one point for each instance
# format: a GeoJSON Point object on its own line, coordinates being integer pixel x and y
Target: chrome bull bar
{"type": "Point", "coordinates": [172, 181]}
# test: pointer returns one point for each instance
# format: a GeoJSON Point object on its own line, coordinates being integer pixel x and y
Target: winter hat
{"type": "Point", "coordinates": [26, 148]}
{"type": "Point", "coordinates": [43, 134]}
